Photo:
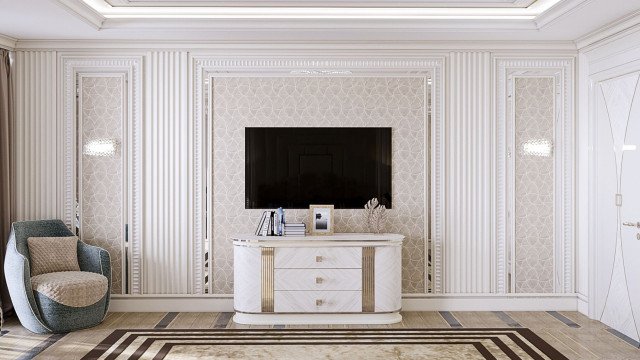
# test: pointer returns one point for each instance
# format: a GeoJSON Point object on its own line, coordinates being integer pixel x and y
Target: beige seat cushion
{"type": "Point", "coordinates": [71, 288]}
{"type": "Point", "coordinates": [53, 254]}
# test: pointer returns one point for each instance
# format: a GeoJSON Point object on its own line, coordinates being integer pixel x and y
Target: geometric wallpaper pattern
{"type": "Point", "coordinates": [396, 102]}
{"type": "Point", "coordinates": [534, 184]}
{"type": "Point", "coordinates": [101, 185]}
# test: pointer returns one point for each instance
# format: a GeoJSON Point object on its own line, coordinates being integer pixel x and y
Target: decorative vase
{"type": "Point", "coordinates": [376, 215]}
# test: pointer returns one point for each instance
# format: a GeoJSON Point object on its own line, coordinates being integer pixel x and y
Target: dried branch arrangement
{"type": "Point", "coordinates": [376, 215]}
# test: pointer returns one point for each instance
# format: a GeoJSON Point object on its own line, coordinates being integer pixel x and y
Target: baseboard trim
{"type": "Point", "coordinates": [448, 302]}
{"type": "Point", "coordinates": [164, 303]}
{"type": "Point", "coordinates": [492, 302]}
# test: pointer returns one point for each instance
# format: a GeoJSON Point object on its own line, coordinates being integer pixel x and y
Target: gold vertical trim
{"type": "Point", "coordinates": [368, 279]}
{"type": "Point", "coordinates": [267, 279]}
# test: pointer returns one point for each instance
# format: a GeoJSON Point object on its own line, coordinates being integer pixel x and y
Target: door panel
{"type": "Point", "coordinates": [617, 172]}
{"type": "Point", "coordinates": [630, 209]}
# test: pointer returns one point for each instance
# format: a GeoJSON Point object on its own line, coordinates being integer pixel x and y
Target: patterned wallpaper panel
{"type": "Point", "coordinates": [101, 182]}
{"type": "Point", "coordinates": [534, 160]}
{"type": "Point", "coordinates": [396, 102]}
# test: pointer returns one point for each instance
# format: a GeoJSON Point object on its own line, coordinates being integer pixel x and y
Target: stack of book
{"type": "Point", "coordinates": [271, 223]}
{"type": "Point", "coordinates": [294, 229]}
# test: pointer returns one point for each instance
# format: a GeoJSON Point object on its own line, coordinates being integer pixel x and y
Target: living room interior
{"type": "Point", "coordinates": [343, 179]}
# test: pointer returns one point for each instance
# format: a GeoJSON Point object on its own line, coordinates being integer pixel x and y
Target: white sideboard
{"type": "Point", "coordinates": [344, 278]}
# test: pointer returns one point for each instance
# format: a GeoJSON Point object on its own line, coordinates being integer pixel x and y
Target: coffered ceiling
{"type": "Point", "coordinates": [310, 20]}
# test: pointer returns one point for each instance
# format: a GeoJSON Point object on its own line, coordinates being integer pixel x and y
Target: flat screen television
{"type": "Point", "coordinates": [295, 167]}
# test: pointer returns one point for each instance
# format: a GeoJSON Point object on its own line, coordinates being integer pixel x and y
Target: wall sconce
{"type": "Point", "coordinates": [538, 147]}
{"type": "Point", "coordinates": [101, 147]}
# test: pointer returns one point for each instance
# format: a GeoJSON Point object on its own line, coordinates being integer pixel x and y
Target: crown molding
{"type": "Point", "coordinates": [610, 32]}
{"type": "Point", "coordinates": [558, 11]}
{"type": "Point", "coordinates": [83, 12]}
{"type": "Point", "coordinates": [7, 42]}
{"type": "Point", "coordinates": [568, 47]}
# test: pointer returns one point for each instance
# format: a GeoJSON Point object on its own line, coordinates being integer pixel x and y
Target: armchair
{"type": "Point", "coordinates": [56, 311]}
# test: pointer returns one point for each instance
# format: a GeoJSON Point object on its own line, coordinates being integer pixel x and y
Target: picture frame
{"type": "Point", "coordinates": [321, 219]}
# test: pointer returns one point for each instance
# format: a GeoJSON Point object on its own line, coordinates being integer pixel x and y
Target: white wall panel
{"type": "Point", "coordinates": [469, 139]}
{"type": "Point", "coordinates": [168, 179]}
{"type": "Point", "coordinates": [38, 184]}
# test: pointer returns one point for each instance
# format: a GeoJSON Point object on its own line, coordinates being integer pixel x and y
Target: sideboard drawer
{"type": "Point", "coordinates": [318, 279]}
{"type": "Point", "coordinates": [318, 258]}
{"type": "Point", "coordinates": [317, 301]}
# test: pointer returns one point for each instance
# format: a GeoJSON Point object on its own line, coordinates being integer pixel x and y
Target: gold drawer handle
{"type": "Point", "coordinates": [318, 258]}
{"type": "Point", "coordinates": [319, 302]}
{"type": "Point", "coordinates": [319, 280]}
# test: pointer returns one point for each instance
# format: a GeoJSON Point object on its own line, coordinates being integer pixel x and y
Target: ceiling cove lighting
{"type": "Point", "coordinates": [351, 13]}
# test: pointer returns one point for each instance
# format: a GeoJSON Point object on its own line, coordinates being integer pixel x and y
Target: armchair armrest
{"type": "Point", "coordinates": [18, 276]}
{"type": "Point", "coordinates": [94, 259]}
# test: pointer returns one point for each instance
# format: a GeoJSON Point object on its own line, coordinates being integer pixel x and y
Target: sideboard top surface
{"type": "Point", "coordinates": [337, 239]}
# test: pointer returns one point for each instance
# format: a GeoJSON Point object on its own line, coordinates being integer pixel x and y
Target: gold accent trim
{"type": "Point", "coordinates": [266, 282]}
{"type": "Point", "coordinates": [368, 279]}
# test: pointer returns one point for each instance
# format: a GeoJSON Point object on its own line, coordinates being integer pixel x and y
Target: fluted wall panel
{"type": "Point", "coordinates": [168, 180]}
{"type": "Point", "coordinates": [38, 168]}
{"type": "Point", "coordinates": [468, 131]}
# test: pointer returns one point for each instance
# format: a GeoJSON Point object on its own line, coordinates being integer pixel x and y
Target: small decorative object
{"type": "Point", "coordinates": [321, 219]}
{"type": "Point", "coordinates": [376, 215]}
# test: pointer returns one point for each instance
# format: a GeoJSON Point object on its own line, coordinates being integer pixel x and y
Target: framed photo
{"type": "Point", "coordinates": [321, 219]}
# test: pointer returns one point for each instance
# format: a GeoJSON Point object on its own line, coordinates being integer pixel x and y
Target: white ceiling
{"type": "Point", "coordinates": [51, 19]}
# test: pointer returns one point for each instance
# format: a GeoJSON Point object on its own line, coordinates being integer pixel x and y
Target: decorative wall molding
{"type": "Point", "coordinates": [71, 66]}
{"type": "Point", "coordinates": [38, 184]}
{"type": "Point", "coordinates": [562, 69]}
{"type": "Point", "coordinates": [168, 170]}
{"type": "Point", "coordinates": [467, 188]}
{"type": "Point", "coordinates": [207, 68]}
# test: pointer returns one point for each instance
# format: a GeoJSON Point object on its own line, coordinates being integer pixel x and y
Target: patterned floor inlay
{"type": "Point", "coordinates": [476, 343]}
{"type": "Point", "coordinates": [507, 319]}
{"type": "Point", "coordinates": [563, 319]}
{"type": "Point", "coordinates": [223, 320]}
{"type": "Point", "coordinates": [33, 352]}
{"type": "Point", "coordinates": [450, 319]}
{"type": "Point", "coordinates": [166, 320]}
{"type": "Point", "coordinates": [624, 337]}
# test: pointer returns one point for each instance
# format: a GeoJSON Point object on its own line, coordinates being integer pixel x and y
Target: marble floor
{"type": "Point", "coordinates": [571, 333]}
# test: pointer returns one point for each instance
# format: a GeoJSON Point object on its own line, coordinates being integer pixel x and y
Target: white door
{"type": "Point", "coordinates": [617, 214]}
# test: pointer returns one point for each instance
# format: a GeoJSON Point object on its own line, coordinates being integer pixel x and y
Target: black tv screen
{"type": "Point", "coordinates": [296, 167]}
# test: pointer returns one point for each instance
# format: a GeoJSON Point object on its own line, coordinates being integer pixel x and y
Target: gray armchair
{"type": "Point", "coordinates": [45, 312]}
